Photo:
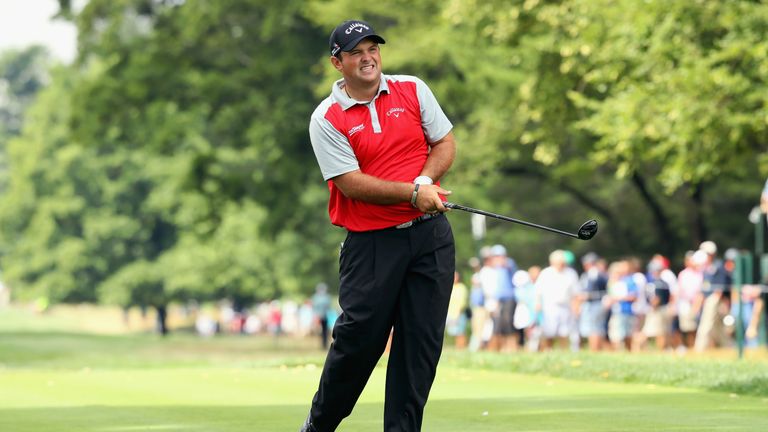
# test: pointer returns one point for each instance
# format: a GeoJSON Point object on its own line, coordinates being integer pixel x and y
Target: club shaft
{"type": "Point", "coordinates": [508, 219]}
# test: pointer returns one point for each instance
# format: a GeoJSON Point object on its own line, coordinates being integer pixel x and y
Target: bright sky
{"type": "Point", "coordinates": [27, 22]}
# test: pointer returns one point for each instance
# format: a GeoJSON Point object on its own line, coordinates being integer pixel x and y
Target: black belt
{"type": "Point", "coordinates": [422, 218]}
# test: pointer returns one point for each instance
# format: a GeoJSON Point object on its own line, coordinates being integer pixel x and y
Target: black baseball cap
{"type": "Point", "coordinates": [349, 33]}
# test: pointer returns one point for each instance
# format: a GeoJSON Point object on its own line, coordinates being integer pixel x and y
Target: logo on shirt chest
{"type": "Point", "coordinates": [395, 112]}
{"type": "Point", "coordinates": [356, 129]}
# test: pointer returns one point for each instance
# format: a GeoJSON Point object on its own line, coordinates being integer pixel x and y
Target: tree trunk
{"type": "Point", "coordinates": [699, 226]}
{"type": "Point", "coordinates": [663, 231]}
{"type": "Point", "coordinates": [162, 318]}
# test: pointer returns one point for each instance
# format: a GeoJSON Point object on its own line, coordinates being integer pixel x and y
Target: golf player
{"type": "Point", "coordinates": [382, 143]}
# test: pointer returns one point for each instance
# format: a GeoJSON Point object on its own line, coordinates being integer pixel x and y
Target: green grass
{"type": "Point", "coordinates": [72, 381]}
{"type": "Point", "coordinates": [745, 377]}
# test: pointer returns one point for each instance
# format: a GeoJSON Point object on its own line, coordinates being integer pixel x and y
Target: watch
{"type": "Point", "coordinates": [422, 179]}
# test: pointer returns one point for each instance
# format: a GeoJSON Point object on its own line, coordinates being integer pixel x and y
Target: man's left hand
{"type": "Point", "coordinates": [428, 199]}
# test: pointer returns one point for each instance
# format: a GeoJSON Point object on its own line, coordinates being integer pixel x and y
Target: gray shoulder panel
{"type": "Point", "coordinates": [332, 150]}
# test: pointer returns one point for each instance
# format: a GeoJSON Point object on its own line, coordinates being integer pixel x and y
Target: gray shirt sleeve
{"type": "Point", "coordinates": [433, 120]}
{"type": "Point", "coordinates": [332, 150]}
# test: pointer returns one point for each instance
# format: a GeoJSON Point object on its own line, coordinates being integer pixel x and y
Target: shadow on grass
{"type": "Point", "coordinates": [642, 412]}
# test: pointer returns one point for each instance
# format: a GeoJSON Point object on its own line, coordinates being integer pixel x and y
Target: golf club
{"type": "Point", "coordinates": [586, 231]}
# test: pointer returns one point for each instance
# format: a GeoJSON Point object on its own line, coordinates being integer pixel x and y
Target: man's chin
{"type": "Point", "coordinates": [370, 78]}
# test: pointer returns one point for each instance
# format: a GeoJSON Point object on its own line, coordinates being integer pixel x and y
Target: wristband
{"type": "Point", "coordinates": [422, 179]}
{"type": "Point", "coordinates": [414, 195]}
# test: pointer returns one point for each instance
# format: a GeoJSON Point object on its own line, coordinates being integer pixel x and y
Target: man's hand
{"type": "Point", "coordinates": [428, 199]}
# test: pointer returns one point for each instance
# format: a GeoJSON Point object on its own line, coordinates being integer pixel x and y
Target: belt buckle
{"type": "Point", "coordinates": [404, 225]}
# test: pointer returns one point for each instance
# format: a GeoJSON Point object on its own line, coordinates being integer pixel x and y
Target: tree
{"type": "Point", "coordinates": [172, 162]}
{"type": "Point", "coordinates": [182, 124]}
{"type": "Point", "coordinates": [628, 111]}
{"type": "Point", "coordinates": [22, 74]}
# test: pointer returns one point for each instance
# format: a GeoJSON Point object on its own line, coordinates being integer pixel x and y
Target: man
{"type": "Point", "coordinates": [456, 322]}
{"type": "Point", "coordinates": [383, 143]}
{"type": "Point", "coordinates": [593, 286]}
{"type": "Point", "coordinates": [622, 294]}
{"type": "Point", "coordinates": [556, 288]}
{"type": "Point", "coordinates": [657, 319]}
{"type": "Point", "coordinates": [710, 331]}
{"type": "Point", "coordinates": [498, 281]}
{"type": "Point", "coordinates": [689, 297]}
{"type": "Point", "coordinates": [479, 314]}
{"type": "Point", "coordinates": [321, 305]}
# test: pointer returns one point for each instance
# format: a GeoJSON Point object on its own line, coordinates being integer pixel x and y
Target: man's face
{"type": "Point", "coordinates": [362, 64]}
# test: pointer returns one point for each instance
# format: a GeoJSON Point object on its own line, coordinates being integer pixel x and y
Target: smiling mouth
{"type": "Point", "coordinates": [367, 68]}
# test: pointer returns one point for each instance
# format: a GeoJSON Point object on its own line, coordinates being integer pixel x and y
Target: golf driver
{"type": "Point", "coordinates": [586, 231]}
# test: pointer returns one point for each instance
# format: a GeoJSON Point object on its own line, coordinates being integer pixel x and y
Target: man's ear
{"type": "Point", "coordinates": [336, 63]}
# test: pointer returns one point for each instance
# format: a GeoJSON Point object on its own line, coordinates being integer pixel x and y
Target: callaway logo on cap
{"type": "Point", "coordinates": [348, 34]}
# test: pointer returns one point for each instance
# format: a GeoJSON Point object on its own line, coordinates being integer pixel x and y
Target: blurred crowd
{"type": "Point", "coordinates": [586, 303]}
{"type": "Point", "coordinates": [621, 305]}
{"type": "Point", "coordinates": [313, 316]}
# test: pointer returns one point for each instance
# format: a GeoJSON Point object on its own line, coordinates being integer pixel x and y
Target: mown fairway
{"type": "Point", "coordinates": [52, 381]}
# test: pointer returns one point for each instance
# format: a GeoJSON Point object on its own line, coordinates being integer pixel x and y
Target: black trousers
{"type": "Point", "coordinates": [391, 278]}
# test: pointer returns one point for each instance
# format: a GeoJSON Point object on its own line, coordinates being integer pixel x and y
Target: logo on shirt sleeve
{"type": "Point", "coordinates": [356, 129]}
{"type": "Point", "coordinates": [395, 112]}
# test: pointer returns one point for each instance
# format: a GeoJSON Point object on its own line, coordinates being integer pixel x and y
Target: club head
{"type": "Point", "coordinates": [588, 230]}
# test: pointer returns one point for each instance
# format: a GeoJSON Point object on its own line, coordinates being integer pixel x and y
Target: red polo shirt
{"type": "Point", "coordinates": [387, 138]}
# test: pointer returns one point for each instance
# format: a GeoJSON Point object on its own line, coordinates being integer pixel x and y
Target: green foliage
{"type": "Point", "coordinates": [179, 127]}
{"type": "Point", "coordinates": [172, 162]}
{"type": "Point", "coordinates": [22, 74]}
{"type": "Point", "coordinates": [638, 113]}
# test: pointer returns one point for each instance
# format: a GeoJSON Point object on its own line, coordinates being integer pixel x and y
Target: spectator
{"type": "Point", "coordinates": [570, 258]}
{"type": "Point", "coordinates": [689, 298]}
{"type": "Point", "coordinates": [489, 280]}
{"type": "Point", "coordinates": [716, 280]}
{"type": "Point", "coordinates": [751, 296]}
{"type": "Point", "coordinates": [290, 317]}
{"type": "Point", "coordinates": [748, 300]}
{"type": "Point", "coordinates": [593, 285]}
{"type": "Point", "coordinates": [640, 306]}
{"type": "Point", "coordinates": [668, 276]}
{"type": "Point", "coordinates": [526, 318]}
{"type": "Point", "coordinates": [477, 303]}
{"type": "Point", "coordinates": [205, 325]}
{"type": "Point", "coordinates": [657, 319]}
{"type": "Point", "coordinates": [275, 322]}
{"type": "Point", "coordinates": [307, 323]}
{"type": "Point", "coordinates": [555, 290]}
{"type": "Point", "coordinates": [622, 293]}
{"type": "Point", "coordinates": [505, 335]}
{"type": "Point", "coordinates": [456, 320]}
{"type": "Point", "coordinates": [321, 305]}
